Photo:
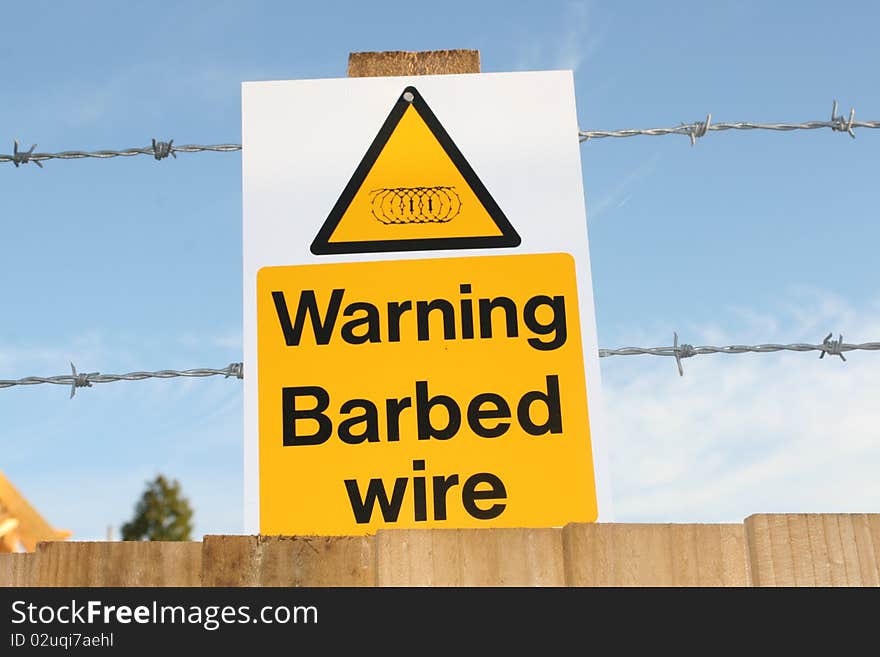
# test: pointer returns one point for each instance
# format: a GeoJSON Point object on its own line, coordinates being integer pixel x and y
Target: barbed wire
{"type": "Point", "coordinates": [158, 149]}
{"type": "Point", "coordinates": [700, 128]}
{"type": "Point", "coordinates": [162, 149]}
{"type": "Point", "coordinates": [678, 351]}
{"type": "Point", "coordinates": [86, 380]}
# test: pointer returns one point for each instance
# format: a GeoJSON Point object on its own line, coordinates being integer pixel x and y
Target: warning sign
{"type": "Point", "coordinates": [422, 393]}
{"type": "Point", "coordinates": [413, 190]}
{"type": "Point", "coordinates": [419, 332]}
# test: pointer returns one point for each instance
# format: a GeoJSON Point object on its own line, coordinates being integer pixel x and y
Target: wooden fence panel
{"type": "Point", "coordinates": [470, 557]}
{"type": "Point", "coordinates": [655, 555]}
{"type": "Point", "coordinates": [18, 569]}
{"type": "Point", "coordinates": [126, 563]}
{"type": "Point", "coordinates": [811, 549]}
{"type": "Point", "coordinates": [768, 550]}
{"type": "Point", "coordinates": [289, 561]}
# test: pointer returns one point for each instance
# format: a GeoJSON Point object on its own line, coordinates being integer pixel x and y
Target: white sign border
{"type": "Point", "coordinates": [517, 130]}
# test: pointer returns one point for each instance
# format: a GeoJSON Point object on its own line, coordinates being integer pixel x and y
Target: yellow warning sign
{"type": "Point", "coordinates": [413, 190]}
{"type": "Point", "coordinates": [422, 393]}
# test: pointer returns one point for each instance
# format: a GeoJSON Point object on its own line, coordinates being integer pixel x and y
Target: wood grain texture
{"type": "Point", "coordinates": [18, 569]}
{"type": "Point", "coordinates": [598, 554]}
{"type": "Point", "coordinates": [396, 63]}
{"type": "Point", "coordinates": [127, 563]}
{"type": "Point", "coordinates": [810, 549]}
{"type": "Point", "coordinates": [470, 557]}
{"type": "Point", "coordinates": [288, 561]}
{"type": "Point", "coordinates": [767, 550]}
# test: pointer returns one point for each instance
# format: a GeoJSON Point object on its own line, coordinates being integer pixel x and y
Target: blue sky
{"type": "Point", "coordinates": [133, 264]}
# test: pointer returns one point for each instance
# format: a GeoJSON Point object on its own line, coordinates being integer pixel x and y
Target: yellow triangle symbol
{"type": "Point", "coordinates": [413, 191]}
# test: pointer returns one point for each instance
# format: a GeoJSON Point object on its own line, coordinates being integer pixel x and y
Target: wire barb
{"type": "Point", "coordinates": [683, 351]}
{"type": "Point", "coordinates": [80, 380]}
{"type": "Point", "coordinates": [162, 149]}
{"type": "Point", "coordinates": [840, 124]}
{"type": "Point", "coordinates": [699, 129]}
{"type": "Point", "coordinates": [832, 347]}
{"type": "Point", "coordinates": [23, 157]}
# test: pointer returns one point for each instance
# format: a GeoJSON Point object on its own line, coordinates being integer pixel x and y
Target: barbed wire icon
{"type": "Point", "coordinates": [415, 205]}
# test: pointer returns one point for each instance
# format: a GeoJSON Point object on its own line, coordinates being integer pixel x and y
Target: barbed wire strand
{"type": "Point", "coordinates": [678, 351]}
{"type": "Point", "coordinates": [158, 149]}
{"type": "Point", "coordinates": [699, 128]}
{"type": "Point", "coordinates": [87, 380]}
{"type": "Point", "coordinates": [162, 149]}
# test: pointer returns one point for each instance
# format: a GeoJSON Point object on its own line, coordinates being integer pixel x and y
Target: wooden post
{"type": "Point", "coordinates": [396, 62]}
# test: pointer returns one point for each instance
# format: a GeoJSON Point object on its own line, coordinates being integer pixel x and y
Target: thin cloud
{"type": "Point", "coordinates": [19, 360]}
{"type": "Point", "coordinates": [750, 433]}
{"type": "Point", "coordinates": [578, 37]}
{"type": "Point", "coordinates": [621, 193]}
{"type": "Point", "coordinates": [231, 340]}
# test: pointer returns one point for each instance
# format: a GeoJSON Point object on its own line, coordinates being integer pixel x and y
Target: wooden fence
{"type": "Point", "coordinates": [766, 550]}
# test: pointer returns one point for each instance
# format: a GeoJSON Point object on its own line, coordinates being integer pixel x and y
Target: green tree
{"type": "Point", "coordinates": [162, 514]}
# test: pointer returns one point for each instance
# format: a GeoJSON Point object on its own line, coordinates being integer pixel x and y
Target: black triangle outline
{"type": "Point", "coordinates": [508, 238]}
